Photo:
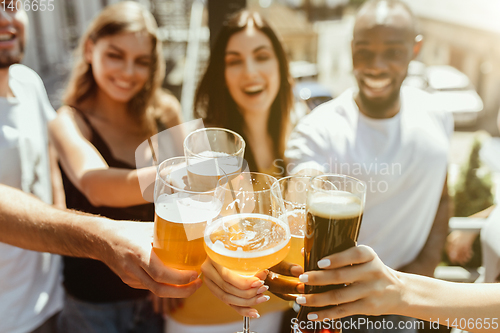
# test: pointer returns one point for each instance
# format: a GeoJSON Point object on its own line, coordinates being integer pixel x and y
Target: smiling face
{"type": "Point", "coordinates": [120, 64]}
{"type": "Point", "coordinates": [251, 71]}
{"type": "Point", "coordinates": [381, 51]}
{"type": "Point", "coordinates": [12, 36]}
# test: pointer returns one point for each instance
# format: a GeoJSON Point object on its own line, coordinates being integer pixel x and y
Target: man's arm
{"type": "Point", "coordinates": [124, 246]}
{"type": "Point", "coordinates": [430, 255]}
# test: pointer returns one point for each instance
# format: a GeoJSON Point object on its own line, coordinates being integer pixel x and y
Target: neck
{"type": "Point", "coordinates": [107, 108]}
{"type": "Point", "coordinates": [4, 83]}
{"type": "Point", "coordinates": [383, 111]}
{"type": "Point", "coordinates": [255, 125]}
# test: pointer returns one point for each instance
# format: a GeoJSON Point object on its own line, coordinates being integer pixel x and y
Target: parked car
{"type": "Point", "coordinates": [451, 89]}
{"type": "Point", "coordinates": [312, 93]}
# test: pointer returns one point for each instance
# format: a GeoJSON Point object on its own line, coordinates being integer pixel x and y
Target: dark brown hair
{"type": "Point", "coordinates": [123, 17]}
{"type": "Point", "coordinates": [213, 101]}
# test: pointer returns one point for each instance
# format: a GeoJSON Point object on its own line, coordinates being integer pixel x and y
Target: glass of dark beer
{"type": "Point", "coordinates": [334, 209]}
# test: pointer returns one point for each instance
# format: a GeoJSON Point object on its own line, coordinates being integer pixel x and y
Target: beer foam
{"type": "Point", "coordinates": [207, 163]}
{"type": "Point", "coordinates": [174, 209]}
{"type": "Point", "coordinates": [212, 154]}
{"type": "Point", "coordinates": [337, 204]}
{"type": "Point", "coordinates": [296, 220]}
{"type": "Point", "coordinates": [221, 224]}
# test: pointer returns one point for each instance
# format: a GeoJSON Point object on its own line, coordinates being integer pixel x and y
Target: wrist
{"type": "Point", "coordinates": [97, 238]}
{"type": "Point", "coordinates": [403, 307]}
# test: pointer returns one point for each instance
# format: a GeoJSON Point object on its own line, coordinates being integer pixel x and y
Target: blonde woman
{"type": "Point", "coordinates": [112, 104]}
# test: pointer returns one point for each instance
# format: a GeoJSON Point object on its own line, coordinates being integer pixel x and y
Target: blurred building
{"type": "Point", "coordinates": [466, 35]}
{"type": "Point", "coordinates": [297, 33]}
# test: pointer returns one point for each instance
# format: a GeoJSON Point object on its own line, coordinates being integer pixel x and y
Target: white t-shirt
{"type": "Point", "coordinates": [30, 282]}
{"type": "Point", "coordinates": [402, 160]}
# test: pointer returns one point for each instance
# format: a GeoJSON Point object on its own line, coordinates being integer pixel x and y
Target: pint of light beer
{"type": "Point", "coordinates": [291, 191]}
{"type": "Point", "coordinates": [212, 150]}
{"type": "Point", "coordinates": [181, 215]}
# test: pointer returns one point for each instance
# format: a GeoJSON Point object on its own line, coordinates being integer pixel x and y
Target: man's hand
{"type": "Point", "coordinates": [127, 250]}
{"type": "Point", "coordinates": [241, 293]}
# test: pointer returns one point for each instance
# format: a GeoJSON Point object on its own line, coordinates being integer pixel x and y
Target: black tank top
{"type": "Point", "coordinates": [91, 280]}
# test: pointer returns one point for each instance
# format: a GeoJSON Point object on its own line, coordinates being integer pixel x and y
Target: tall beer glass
{"type": "Point", "coordinates": [210, 150]}
{"type": "Point", "coordinates": [335, 205]}
{"type": "Point", "coordinates": [181, 215]}
{"type": "Point", "coordinates": [249, 237]}
{"type": "Point", "coordinates": [292, 193]}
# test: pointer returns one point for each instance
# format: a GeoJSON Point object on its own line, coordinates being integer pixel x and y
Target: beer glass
{"type": "Point", "coordinates": [210, 150]}
{"type": "Point", "coordinates": [181, 215]}
{"type": "Point", "coordinates": [335, 205]}
{"type": "Point", "coordinates": [289, 195]}
{"type": "Point", "coordinates": [248, 238]}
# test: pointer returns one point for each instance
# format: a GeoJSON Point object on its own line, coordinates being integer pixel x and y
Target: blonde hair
{"type": "Point", "coordinates": [123, 17]}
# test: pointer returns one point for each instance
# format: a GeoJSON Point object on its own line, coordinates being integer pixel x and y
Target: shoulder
{"type": "Point", "coordinates": [67, 115]}
{"type": "Point", "coordinates": [23, 73]}
{"type": "Point", "coordinates": [419, 103]}
{"type": "Point", "coordinates": [330, 116]}
{"type": "Point", "coordinates": [168, 109]}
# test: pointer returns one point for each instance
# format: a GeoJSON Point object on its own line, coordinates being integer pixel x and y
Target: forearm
{"type": "Point", "coordinates": [116, 187]}
{"type": "Point", "coordinates": [453, 304]}
{"type": "Point", "coordinates": [29, 223]}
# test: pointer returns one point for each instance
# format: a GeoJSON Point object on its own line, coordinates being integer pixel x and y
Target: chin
{"type": "Point", "coordinates": [379, 103]}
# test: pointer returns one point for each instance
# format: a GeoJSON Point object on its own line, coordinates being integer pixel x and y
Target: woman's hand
{"type": "Point", "coordinates": [241, 293]}
{"type": "Point", "coordinates": [372, 288]}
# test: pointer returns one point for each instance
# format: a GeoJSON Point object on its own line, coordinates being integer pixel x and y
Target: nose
{"type": "Point", "coordinates": [378, 65]}
{"type": "Point", "coordinates": [129, 69]}
{"type": "Point", "coordinates": [250, 67]}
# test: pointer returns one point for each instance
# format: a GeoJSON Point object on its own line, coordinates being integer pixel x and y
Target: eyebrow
{"type": "Point", "coordinates": [116, 48]}
{"type": "Point", "coordinates": [257, 49]}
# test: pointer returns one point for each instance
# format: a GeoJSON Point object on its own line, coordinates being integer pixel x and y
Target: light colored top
{"type": "Point", "coordinates": [30, 282]}
{"type": "Point", "coordinates": [402, 160]}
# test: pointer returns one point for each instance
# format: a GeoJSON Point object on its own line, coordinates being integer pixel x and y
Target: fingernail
{"type": "Point", "coordinates": [312, 316]}
{"type": "Point", "coordinates": [263, 299]}
{"type": "Point", "coordinates": [254, 314]}
{"type": "Point", "coordinates": [193, 278]}
{"type": "Point", "coordinates": [300, 300]}
{"type": "Point", "coordinates": [257, 284]}
{"type": "Point", "coordinates": [324, 263]}
{"type": "Point", "coordinates": [262, 289]}
{"type": "Point", "coordinates": [304, 278]}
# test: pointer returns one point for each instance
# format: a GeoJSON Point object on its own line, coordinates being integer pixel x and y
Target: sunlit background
{"type": "Point", "coordinates": [459, 63]}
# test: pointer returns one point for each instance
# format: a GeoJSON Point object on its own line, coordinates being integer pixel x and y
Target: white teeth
{"type": "Point", "coordinates": [377, 83]}
{"type": "Point", "coordinates": [254, 88]}
{"type": "Point", "coordinates": [5, 37]}
{"type": "Point", "coordinates": [123, 84]}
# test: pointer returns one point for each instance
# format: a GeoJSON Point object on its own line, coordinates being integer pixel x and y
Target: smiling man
{"type": "Point", "coordinates": [30, 290]}
{"type": "Point", "coordinates": [30, 280]}
{"type": "Point", "coordinates": [390, 137]}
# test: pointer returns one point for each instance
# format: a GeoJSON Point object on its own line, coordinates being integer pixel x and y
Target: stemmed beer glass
{"type": "Point", "coordinates": [249, 237]}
